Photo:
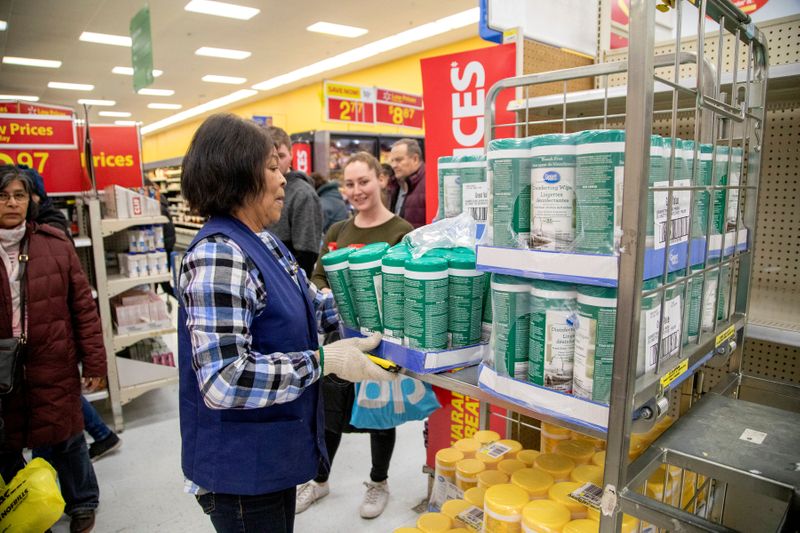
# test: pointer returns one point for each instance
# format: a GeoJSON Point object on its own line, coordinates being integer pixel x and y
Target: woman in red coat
{"type": "Point", "coordinates": [62, 329]}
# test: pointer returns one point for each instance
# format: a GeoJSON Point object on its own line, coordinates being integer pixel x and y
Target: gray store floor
{"type": "Point", "coordinates": [141, 485]}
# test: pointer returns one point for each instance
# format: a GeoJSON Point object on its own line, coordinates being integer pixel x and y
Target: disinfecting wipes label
{"type": "Point", "coordinates": [475, 201]}
{"type": "Point", "coordinates": [426, 312]}
{"type": "Point", "coordinates": [594, 351]}
{"type": "Point", "coordinates": [510, 332]}
{"type": "Point", "coordinates": [552, 206]}
{"type": "Point", "coordinates": [511, 193]}
{"type": "Point", "coordinates": [552, 349]}
{"type": "Point", "coordinates": [679, 223]}
{"type": "Point", "coordinates": [671, 332]}
{"type": "Point", "coordinates": [652, 319]}
{"type": "Point", "coordinates": [452, 195]}
{"type": "Point", "coordinates": [393, 304]}
{"type": "Point", "coordinates": [365, 293]}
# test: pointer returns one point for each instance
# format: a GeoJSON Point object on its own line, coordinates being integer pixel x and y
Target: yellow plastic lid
{"type": "Point", "coordinates": [580, 451]}
{"type": "Point", "coordinates": [655, 484]}
{"type": "Point", "coordinates": [583, 525]}
{"type": "Point", "coordinates": [407, 530]}
{"type": "Point", "coordinates": [587, 474]}
{"type": "Point", "coordinates": [434, 522]}
{"type": "Point", "coordinates": [448, 457]}
{"type": "Point", "coordinates": [453, 507]}
{"type": "Point", "coordinates": [488, 460]}
{"type": "Point", "coordinates": [467, 446]}
{"type": "Point", "coordinates": [459, 530]}
{"type": "Point", "coordinates": [556, 465]}
{"type": "Point", "coordinates": [509, 466]}
{"type": "Point", "coordinates": [474, 496]}
{"type": "Point", "coordinates": [555, 430]}
{"type": "Point", "coordinates": [505, 499]}
{"type": "Point", "coordinates": [490, 478]}
{"type": "Point", "coordinates": [513, 444]}
{"type": "Point", "coordinates": [485, 436]}
{"type": "Point", "coordinates": [545, 515]}
{"type": "Point", "coordinates": [629, 523]}
{"type": "Point", "coordinates": [470, 467]}
{"type": "Point", "coordinates": [560, 493]}
{"type": "Point", "coordinates": [528, 456]}
{"type": "Point", "coordinates": [536, 482]}
{"type": "Point", "coordinates": [599, 444]}
{"type": "Point", "coordinates": [599, 459]}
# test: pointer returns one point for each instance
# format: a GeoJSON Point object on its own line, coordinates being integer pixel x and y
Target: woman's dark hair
{"type": "Point", "coordinates": [9, 173]}
{"type": "Point", "coordinates": [387, 169]}
{"type": "Point", "coordinates": [225, 164]}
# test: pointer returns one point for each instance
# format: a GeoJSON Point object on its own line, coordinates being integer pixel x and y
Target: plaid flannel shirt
{"type": "Point", "coordinates": [222, 291]}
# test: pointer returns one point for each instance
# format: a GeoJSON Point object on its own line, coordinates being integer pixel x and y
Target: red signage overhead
{"type": "Point", "coordinates": [16, 106]}
{"type": "Point", "coordinates": [454, 88]}
{"type": "Point", "coordinates": [36, 131]}
{"type": "Point", "coordinates": [398, 109]}
{"type": "Point", "coordinates": [301, 157]}
{"type": "Point", "coordinates": [350, 111]}
{"type": "Point", "coordinates": [116, 155]}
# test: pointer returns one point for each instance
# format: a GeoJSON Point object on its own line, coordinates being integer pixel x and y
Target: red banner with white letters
{"type": "Point", "coordinates": [454, 88]}
{"type": "Point", "coordinates": [116, 154]}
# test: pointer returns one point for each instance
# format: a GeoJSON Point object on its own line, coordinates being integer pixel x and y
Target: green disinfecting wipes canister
{"type": "Point", "coordinates": [594, 343]}
{"type": "Point", "coordinates": [449, 187]}
{"type": "Point", "coordinates": [337, 270]}
{"type": "Point", "coordinates": [599, 169]}
{"type": "Point", "coordinates": [486, 317]}
{"type": "Point", "coordinates": [393, 269]}
{"type": "Point", "coordinates": [552, 335]}
{"type": "Point", "coordinates": [426, 307]}
{"type": "Point", "coordinates": [715, 293]}
{"type": "Point", "coordinates": [552, 192]}
{"type": "Point", "coordinates": [691, 326]}
{"type": "Point", "coordinates": [466, 288]}
{"type": "Point", "coordinates": [509, 167]}
{"type": "Point", "coordinates": [727, 164]}
{"type": "Point", "coordinates": [511, 325]}
{"type": "Point", "coordinates": [657, 174]}
{"type": "Point", "coordinates": [365, 280]}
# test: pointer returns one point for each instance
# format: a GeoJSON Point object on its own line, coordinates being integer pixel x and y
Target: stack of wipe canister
{"type": "Point", "coordinates": [146, 255]}
{"type": "Point", "coordinates": [563, 192]}
{"type": "Point", "coordinates": [429, 303]}
{"type": "Point", "coordinates": [463, 187]}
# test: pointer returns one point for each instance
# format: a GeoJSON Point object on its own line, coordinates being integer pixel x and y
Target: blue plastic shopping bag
{"type": "Point", "coordinates": [387, 404]}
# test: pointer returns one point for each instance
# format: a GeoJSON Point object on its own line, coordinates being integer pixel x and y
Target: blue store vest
{"type": "Point", "coordinates": [254, 451]}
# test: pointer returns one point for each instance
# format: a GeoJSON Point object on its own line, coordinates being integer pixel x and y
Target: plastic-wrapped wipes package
{"type": "Point", "coordinates": [456, 232]}
{"type": "Point", "coordinates": [463, 187]}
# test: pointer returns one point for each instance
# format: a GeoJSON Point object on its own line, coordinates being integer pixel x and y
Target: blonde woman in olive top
{"type": "Point", "coordinates": [373, 223]}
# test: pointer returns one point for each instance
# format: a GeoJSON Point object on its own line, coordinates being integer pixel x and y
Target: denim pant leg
{"type": "Point", "coordinates": [230, 513]}
{"type": "Point", "coordinates": [75, 473]}
{"type": "Point", "coordinates": [94, 424]}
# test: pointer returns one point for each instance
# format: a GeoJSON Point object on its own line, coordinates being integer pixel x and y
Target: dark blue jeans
{"type": "Point", "coordinates": [75, 473]}
{"type": "Point", "coordinates": [230, 513]}
{"type": "Point", "coordinates": [94, 424]}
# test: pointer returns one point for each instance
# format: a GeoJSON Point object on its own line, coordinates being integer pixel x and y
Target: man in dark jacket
{"type": "Point", "coordinates": [334, 208]}
{"type": "Point", "coordinates": [300, 225]}
{"type": "Point", "coordinates": [407, 194]}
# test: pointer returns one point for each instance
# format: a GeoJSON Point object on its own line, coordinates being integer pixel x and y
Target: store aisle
{"type": "Point", "coordinates": [141, 486]}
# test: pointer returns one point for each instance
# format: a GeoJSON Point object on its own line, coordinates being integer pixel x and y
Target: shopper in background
{"type": "Point", "coordinates": [300, 224]}
{"type": "Point", "coordinates": [250, 407]}
{"type": "Point", "coordinates": [372, 223]}
{"type": "Point", "coordinates": [388, 182]}
{"type": "Point", "coordinates": [44, 411]}
{"type": "Point", "coordinates": [408, 194]}
{"type": "Point", "coordinates": [333, 207]}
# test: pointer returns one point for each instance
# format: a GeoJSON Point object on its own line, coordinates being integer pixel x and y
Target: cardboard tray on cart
{"type": "Point", "coordinates": [425, 362]}
{"type": "Point", "coordinates": [556, 404]}
{"type": "Point", "coordinates": [590, 269]}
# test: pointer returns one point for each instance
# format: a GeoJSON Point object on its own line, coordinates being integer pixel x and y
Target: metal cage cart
{"type": "Point", "coordinates": [710, 88]}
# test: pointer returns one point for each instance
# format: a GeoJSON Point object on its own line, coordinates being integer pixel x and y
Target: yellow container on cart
{"type": "Point", "coordinates": [528, 456]}
{"type": "Point", "coordinates": [490, 478]}
{"type": "Point", "coordinates": [556, 465]}
{"type": "Point", "coordinates": [468, 447]}
{"type": "Point", "coordinates": [599, 459]}
{"type": "Point", "coordinates": [510, 443]}
{"type": "Point", "coordinates": [434, 523]}
{"type": "Point", "coordinates": [467, 471]}
{"type": "Point", "coordinates": [560, 493]}
{"type": "Point", "coordinates": [446, 460]}
{"type": "Point", "coordinates": [551, 436]}
{"type": "Point", "coordinates": [544, 516]}
{"type": "Point", "coordinates": [453, 508]}
{"type": "Point", "coordinates": [587, 474]}
{"type": "Point", "coordinates": [599, 444]}
{"type": "Point", "coordinates": [580, 451]}
{"type": "Point", "coordinates": [630, 524]}
{"type": "Point", "coordinates": [485, 436]}
{"type": "Point", "coordinates": [474, 496]}
{"type": "Point", "coordinates": [583, 525]}
{"type": "Point", "coordinates": [509, 466]}
{"type": "Point", "coordinates": [535, 482]}
{"type": "Point", "coordinates": [502, 508]}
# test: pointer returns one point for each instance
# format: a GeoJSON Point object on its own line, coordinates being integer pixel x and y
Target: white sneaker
{"type": "Point", "coordinates": [308, 493]}
{"type": "Point", "coordinates": [375, 499]}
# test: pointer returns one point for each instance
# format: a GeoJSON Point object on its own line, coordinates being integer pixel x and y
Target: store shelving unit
{"type": "Point", "coordinates": [127, 378]}
{"type": "Point", "coordinates": [168, 175]}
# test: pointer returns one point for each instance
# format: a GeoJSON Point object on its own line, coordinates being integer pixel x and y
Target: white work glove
{"type": "Point", "coordinates": [346, 359]}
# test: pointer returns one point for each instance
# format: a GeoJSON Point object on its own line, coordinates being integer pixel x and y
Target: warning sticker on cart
{"type": "Point", "coordinates": [588, 494]}
{"type": "Point", "coordinates": [675, 373]}
{"type": "Point", "coordinates": [751, 435]}
{"type": "Point", "coordinates": [725, 336]}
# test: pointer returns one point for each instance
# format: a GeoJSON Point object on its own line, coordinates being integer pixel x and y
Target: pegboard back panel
{"type": "Point", "coordinates": [538, 57]}
{"type": "Point", "coordinates": [783, 36]}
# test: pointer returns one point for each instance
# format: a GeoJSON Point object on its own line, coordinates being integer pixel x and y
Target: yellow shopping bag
{"type": "Point", "coordinates": [32, 501]}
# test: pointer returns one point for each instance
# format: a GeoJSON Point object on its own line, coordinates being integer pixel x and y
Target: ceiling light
{"type": "Point", "coordinates": [128, 71]}
{"type": "Point", "coordinates": [29, 62]}
{"type": "Point", "coordinates": [70, 86]}
{"type": "Point", "coordinates": [164, 106]}
{"type": "Point", "coordinates": [3, 25]}
{"type": "Point", "coordinates": [125, 122]}
{"type": "Point", "coordinates": [222, 9]}
{"type": "Point", "coordinates": [225, 53]}
{"type": "Point", "coordinates": [156, 92]}
{"type": "Point", "coordinates": [89, 101]}
{"type": "Point", "coordinates": [336, 29]}
{"type": "Point", "coordinates": [199, 110]}
{"type": "Point", "coordinates": [437, 27]}
{"type": "Point", "coordinates": [118, 114]}
{"type": "Point", "coordinates": [105, 38]}
{"type": "Point", "coordinates": [22, 97]}
{"type": "Point", "coordinates": [230, 80]}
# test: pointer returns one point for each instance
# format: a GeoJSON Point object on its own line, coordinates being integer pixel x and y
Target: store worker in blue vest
{"type": "Point", "coordinates": [250, 364]}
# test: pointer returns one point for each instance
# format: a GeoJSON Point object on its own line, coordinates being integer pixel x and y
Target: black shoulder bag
{"type": "Point", "coordinates": [12, 350]}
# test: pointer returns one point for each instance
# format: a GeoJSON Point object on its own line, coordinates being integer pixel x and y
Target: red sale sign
{"type": "Point", "coordinates": [116, 153]}
{"type": "Point", "coordinates": [398, 109]}
{"type": "Point", "coordinates": [36, 131]}
{"type": "Point", "coordinates": [301, 157]}
{"type": "Point", "coordinates": [454, 88]}
{"type": "Point", "coordinates": [17, 106]}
